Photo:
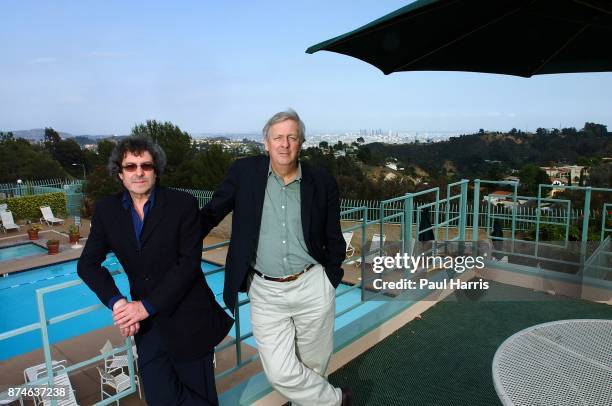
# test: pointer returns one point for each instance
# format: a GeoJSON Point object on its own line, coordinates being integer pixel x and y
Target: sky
{"type": "Point", "coordinates": [100, 67]}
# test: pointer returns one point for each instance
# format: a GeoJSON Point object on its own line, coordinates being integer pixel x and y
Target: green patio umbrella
{"type": "Point", "coordinates": [513, 37]}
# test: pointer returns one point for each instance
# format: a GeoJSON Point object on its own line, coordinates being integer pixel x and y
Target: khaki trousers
{"type": "Point", "coordinates": [293, 325]}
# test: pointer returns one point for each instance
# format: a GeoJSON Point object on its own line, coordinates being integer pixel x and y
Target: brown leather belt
{"type": "Point", "coordinates": [286, 278]}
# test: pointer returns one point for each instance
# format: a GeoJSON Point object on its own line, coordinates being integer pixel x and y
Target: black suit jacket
{"type": "Point", "coordinates": [243, 192]}
{"type": "Point", "coordinates": [164, 270]}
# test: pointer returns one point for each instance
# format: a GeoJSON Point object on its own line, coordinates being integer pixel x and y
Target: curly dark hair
{"type": "Point", "coordinates": [136, 145]}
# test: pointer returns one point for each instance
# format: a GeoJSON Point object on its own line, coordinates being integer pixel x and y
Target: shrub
{"type": "Point", "coordinates": [28, 207]}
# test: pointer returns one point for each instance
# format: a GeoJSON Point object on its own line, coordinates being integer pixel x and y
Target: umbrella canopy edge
{"type": "Point", "coordinates": [387, 17]}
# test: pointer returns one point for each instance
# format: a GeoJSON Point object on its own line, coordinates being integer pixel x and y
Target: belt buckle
{"type": "Point", "coordinates": [289, 278]}
{"type": "Point", "coordinates": [293, 277]}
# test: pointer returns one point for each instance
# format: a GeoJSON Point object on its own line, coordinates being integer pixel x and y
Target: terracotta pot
{"type": "Point", "coordinates": [53, 249]}
{"type": "Point", "coordinates": [74, 238]}
{"type": "Point", "coordinates": [33, 234]}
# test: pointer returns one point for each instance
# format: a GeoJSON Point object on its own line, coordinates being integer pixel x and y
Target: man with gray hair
{"type": "Point", "coordinates": [155, 234]}
{"type": "Point", "coordinates": [286, 251]}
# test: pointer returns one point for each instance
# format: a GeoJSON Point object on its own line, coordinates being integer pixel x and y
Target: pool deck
{"type": "Point", "coordinates": [444, 357]}
{"type": "Point", "coordinates": [59, 232]}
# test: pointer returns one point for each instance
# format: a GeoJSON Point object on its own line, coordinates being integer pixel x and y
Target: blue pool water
{"type": "Point", "coordinates": [20, 251]}
{"type": "Point", "coordinates": [18, 305]}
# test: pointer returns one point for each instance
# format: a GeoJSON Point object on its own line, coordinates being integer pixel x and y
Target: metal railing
{"type": "Point", "coordinates": [525, 215]}
{"type": "Point", "coordinates": [236, 342]}
{"type": "Point", "coordinates": [43, 325]}
{"type": "Point", "coordinates": [203, 196]}
{"type": "Point", "coordinates": [72, 188]}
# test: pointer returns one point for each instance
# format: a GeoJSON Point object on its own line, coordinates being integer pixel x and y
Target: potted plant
{"type": "Point", "coordinates": [33, 231]}
{"type": "Point", "coordinates": [53, 247]}
{"type": "Point", "coordinates": [73, 234]}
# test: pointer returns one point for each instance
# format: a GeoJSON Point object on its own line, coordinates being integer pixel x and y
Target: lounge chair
{"type": "Point", "coordinates": [48, 216]}
{"type": "Point", "coordinates": [119, 383]}
{"type": "Point", "coordinates": [8, 223]}
{"type": "Point", "coordinates": [6, 399]}
{"type": "Point", "coordinates": [348, 236]}
{"type": "Point", "coordinates": [64, 381]}
{"type": "Point", "coordinates": [33, 373]}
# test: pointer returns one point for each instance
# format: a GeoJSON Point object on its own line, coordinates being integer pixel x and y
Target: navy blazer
{"type": "Point", "coordinates": [243, 191]}
{"type": "Point", "coordinates": [165, 270]}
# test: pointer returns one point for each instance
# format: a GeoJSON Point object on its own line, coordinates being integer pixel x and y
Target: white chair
{"type": "Point", "coordinates": [115, 362]}
{"type": "Point", "coordinates": [6, 399]}
{"type": "Point", "coordinates": [8, 223]}
{"type": "Point", "coordinates": [3, 207]}
{"type": "Point", "coordinates": [119, 383]}
{"type": "Point", "coordinates": [376, 244]}
{"type": "Point", "coordinates": [48, 216]}
{"type": "Point", "coordinates": [33, 373]}
{"type": "Point", "coordinates": [70, 400]}
{"type": "Point", "coordinates": [348, 236]}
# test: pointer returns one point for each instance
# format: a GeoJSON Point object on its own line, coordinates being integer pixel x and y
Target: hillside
{"type": "Point", "coordinates": [475, 154]}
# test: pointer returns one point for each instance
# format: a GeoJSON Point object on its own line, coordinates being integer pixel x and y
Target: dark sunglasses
{"type": "Point", "coordinates": [147, 167]}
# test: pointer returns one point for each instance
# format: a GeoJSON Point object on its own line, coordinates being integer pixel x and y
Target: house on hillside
{"type": "Point", "coordinates": [566, 174]}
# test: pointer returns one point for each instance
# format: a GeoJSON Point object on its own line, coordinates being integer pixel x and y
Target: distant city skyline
{"type": "Point", "coordinates": [226, 67]}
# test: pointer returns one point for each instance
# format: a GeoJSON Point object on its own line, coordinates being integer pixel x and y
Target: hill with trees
{"type": "Point", "coordinates": [359, 168]}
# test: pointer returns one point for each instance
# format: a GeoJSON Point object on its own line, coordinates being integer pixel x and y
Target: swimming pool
{"type": "Point", "coordinates": [18, 304]}
{"type": "Point", "coordinates": [20, 251]}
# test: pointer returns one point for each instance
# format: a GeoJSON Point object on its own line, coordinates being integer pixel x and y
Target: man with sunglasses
{"type": "Point", "coordinates": [155, 234]}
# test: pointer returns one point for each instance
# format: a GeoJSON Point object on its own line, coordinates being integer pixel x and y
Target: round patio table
{"type": "Point", "coordinates": [566, 362]}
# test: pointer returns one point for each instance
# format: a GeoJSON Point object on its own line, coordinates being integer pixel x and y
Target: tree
{"type": "Point", "coordinates": [323, 145]}
{"type": "Point", "coordinates": [205, 170]}
{"type": "Point", "coordinates": [6, 136]}
{"type": "Point", "coordinates": [105, 147]}
{"type": "Point", "coordinates": [600, 176]}
{"type": "Point", "coordinates": [21, 160]}
{"type": "Point", "coordinates": [495, 172]}
{"type": "Point", "coordinates": [66, 152]}
{"type": "Point", "coordinates": [360, 140]}
{"type": "Point", "coordinates": [364, 154]}
{"type": "Point", "coordinates": [91, 160]}
{"type": "Point", "coordinates": [100, 184]}
{"type": "Point", "coordinates": [571, 131]}
{"type": "Point", "coordinates": [51, 136]}
{"type": "Point", "coordinates": [597, 130]}
{"type": "Point", "coordinates": [175, 143]}
{"type": "Point", "coordinates": [530, 177]}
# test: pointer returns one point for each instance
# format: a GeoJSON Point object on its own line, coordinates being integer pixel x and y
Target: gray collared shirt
{"type": "Point", "coordinates": [281, 250]}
